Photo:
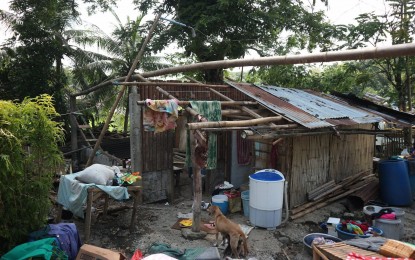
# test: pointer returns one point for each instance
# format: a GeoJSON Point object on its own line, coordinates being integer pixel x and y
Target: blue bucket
{"type": "Point", "coordinates": [245, 202]}
{"type": "Point", "coordinates": [411, 173]}
{"type": "Point", "coordinates": [222, 202]}
{"type": "Point", "coordinates": [395, 188]}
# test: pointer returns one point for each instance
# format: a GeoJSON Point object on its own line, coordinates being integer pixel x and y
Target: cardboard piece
{"type": "Point", "coordinates": [90, 252]}
{"type": "Point", "coordinates": [331, 226]}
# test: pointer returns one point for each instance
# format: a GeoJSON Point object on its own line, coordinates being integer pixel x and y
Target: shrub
{"type": "Point", "coordinates": [29, 157]}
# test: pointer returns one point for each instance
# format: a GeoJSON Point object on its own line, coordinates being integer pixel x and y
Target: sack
{"type": "Point", "coordinates": [98, 174]}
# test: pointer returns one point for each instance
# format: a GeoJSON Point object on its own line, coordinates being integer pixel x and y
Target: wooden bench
{"type": "Point", "coordinates": [94, 194]}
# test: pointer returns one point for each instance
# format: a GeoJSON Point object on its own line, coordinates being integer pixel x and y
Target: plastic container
{"type": "Point", "coordinates": [346, 235]}
{"type": "Point", "coordinates": [234, 199]}
{"type": "Point", "coordinates": [368, 211]}
{"type": "Point", "coordinates": [266, 191]}
{"type": "Point", "coordinates": [400, 215]}
{"type": "Point", "coordinates": [244, 187]}
{"type": "Point", "coordinates": [308, 239]}
{"type": "Point", "coordinates": [245, 202]}
{"type": "Point", "coordinates": [391, 227]}
{"type": "Point", "coordinates": [394, 183]}
{"type": "Point", "coordinates": [222, 202]}
{"type": "Point", "coordinates": [411, 174]}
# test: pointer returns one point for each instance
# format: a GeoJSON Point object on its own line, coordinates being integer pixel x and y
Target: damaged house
{"type": "Point", "coordinates": [312, 138]}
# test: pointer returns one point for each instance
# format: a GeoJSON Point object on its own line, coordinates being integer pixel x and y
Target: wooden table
{"type": "Point", "coordinates": [339, 251]}
{"type": "Point", "coordinates": [94, 194]}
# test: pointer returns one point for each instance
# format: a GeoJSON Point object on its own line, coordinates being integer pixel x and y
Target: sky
{"type": "Point", "coordinates": [338, 12]}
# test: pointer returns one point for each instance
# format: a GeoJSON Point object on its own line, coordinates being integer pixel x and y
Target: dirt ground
{"type": "Point", "coordinates": [154, 222]}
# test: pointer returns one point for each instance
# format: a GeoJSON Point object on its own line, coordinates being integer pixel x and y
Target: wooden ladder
{"type": "Point", "coordinates": [85, 126]}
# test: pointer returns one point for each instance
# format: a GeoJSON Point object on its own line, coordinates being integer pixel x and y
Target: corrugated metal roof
{"type": "Point", "coordinates": [311, 111]}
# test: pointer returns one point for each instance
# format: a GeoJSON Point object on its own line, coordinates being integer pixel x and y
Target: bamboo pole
{"type": "Point", "coordinates": [216, 129]}
{"type": "Point", "coordinates": [121, 93]}
{"type": "Point", "coordinates": [193, 80]}
{"type": "Point", "coordinates": [250, 135]}
{"type": "Point", "coordinates": [199, 125]}
{"type": "Point", "coordinates": [357, 54]}
{"type": "Point", "coordinates": [171, 84]}
{"type": "Point", "coordinates": [223, 103]}
{"type": "Point", "coordinates": [244, 109]}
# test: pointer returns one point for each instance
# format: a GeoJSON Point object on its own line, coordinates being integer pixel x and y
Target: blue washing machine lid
{"type": "Point", "coordinates": [267, 175]}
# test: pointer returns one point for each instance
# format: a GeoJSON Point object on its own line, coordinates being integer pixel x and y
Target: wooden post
{"type": "Point", "coordinates": [137, 198]}
{"type": "Point", "coordinates": [135, 132]}
{"type": "Point", "coordinates": [136, 146]}
{"type": "Point", "coordinates": [197, 176]}
{"type": "Point", "coordinates": [74, 132]}
{"type": "Point", "coordinates": [197, 188]}
{"type": "Point", "coordinates": [106, 203]}
{"type": "Point", "coordinates": [90, 198]}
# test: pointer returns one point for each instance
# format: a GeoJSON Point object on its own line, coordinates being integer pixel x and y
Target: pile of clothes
{"type": "Point", "coordinates": [356, 227]}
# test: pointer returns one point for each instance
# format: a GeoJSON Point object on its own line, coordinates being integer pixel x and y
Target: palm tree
{"type": "Point", "coordinates": [116, 55]}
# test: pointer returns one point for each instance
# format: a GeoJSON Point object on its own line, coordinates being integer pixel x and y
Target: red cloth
{"type": "Point", "coordinates": [273, 157]}
{"type": "Point", "coordinates": [138, 255]}
{"type": "Point", "coordinates": [356, 256]}
{"type": "Point", "coordinates": [244, 149]}
{"type": "Point", "coordinates": [363, 226]}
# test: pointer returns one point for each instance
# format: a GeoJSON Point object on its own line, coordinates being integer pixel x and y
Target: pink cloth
{"type": "Point", "coordinates": [389, 216]}
{"type": "Point", "coordinates": [160, 115]}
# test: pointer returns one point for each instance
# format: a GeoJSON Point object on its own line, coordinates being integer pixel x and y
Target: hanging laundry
{"type": "Point", "coordinates": [244, 149]}
{"type": "Point", "coordinates": [160, 115]}
{"type": "Point", "coordinates": [212, 111]}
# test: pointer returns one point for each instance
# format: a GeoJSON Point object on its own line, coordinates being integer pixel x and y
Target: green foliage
{"type": "Point", "coordinates": [291, 76]}
{"type": "Point", "coordinates": [91, 68]}
{"type": "Point", "coordinates": [36, 49]}
{"type": "Point", "coordinates": [399, 28]}
{"type": "Point", "coordinates": [228, 28]}
{"type": "Point", "coordinates": [29, 156]}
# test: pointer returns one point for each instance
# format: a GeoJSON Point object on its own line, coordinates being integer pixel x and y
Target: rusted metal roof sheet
{"type": "Point", "coordinates": [389, 114]}
{"type": "Point", "coordinates": [304, 108]}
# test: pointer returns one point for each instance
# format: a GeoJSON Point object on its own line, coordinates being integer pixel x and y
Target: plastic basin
{"type": "Point", "coordinates": [308, 239]}
{"type": "Point", "coordinates": [346, 235]}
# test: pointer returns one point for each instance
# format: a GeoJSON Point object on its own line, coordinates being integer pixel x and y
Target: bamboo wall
{"type": "Point", "coordinates": [157, 150]}
{"type": "Point", "coordinates": [319, 159]}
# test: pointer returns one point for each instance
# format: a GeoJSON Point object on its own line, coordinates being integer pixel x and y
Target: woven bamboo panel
{"type": "Point", "coordinates": [310, 166]}
{"type": "Point", "coordinates": [395, 248]}
{"type": "Point", "coordinates": [339, 251]}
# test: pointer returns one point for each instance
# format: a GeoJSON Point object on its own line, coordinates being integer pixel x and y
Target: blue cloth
{"type": "Point", "coordinates": [72, 194]}
{"type": "Point", "coordinates": [65, 233]}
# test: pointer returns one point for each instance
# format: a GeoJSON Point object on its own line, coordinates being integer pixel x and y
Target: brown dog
{"type": "Point", "coordinates": [229, 229]}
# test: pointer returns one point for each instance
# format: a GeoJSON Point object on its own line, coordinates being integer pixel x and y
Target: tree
{"type": "Point", "coordinates": [397, 27]}
{"type": "Point", "coordinates": [228, 28]}
{"type": "Point", "coordinates": [29, 158]}
{"type": "Point", "coordinates": [116, 55]}
{"type": "Point", "coordinates": [36, 49]}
